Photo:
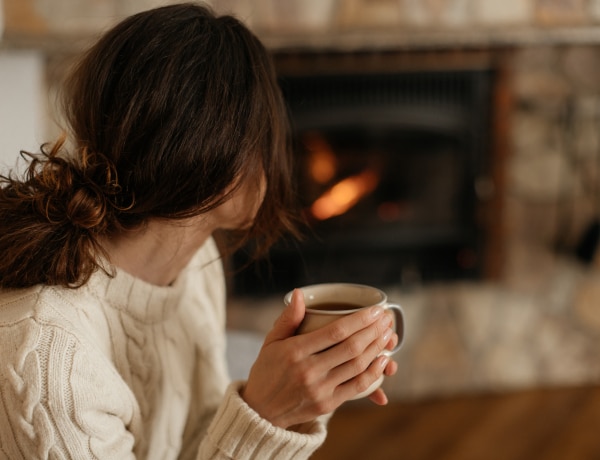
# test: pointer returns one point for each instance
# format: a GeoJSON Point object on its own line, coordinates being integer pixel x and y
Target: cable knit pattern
{"type": "Point", "coordinates": [25, 379]}
{"type": "Point", "coordinates": [120, 369]}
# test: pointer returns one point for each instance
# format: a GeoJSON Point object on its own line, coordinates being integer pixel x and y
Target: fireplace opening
{"type": "Point", "coordinates": [392, 169]}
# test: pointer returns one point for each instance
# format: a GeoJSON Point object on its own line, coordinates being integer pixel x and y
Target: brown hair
{"type": "Point", "coordinates": [167, 111]}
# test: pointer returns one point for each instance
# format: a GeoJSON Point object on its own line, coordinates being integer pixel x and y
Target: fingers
{"type": "Point", "coordinates": [378, 333]}
{"type": "Point", "coordinates": [392, 343]}
{"type": "Point", "coordinates": [355, 355]}
{"type": "Point", "coordinates": [391, 368]}
{"type": "Point", "coordinates": [358, 360]}
{"type": "Point", "coordinates": [340, 329]}
{"type": "Point", "coordinates": [286, 325]}
{"type": "Point", "coordinates": [379, 397]}
{"type": "Point", "coordinates": [363, 381]}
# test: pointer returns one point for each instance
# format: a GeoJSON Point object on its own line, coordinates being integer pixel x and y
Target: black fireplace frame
{"type": "Point", "coordinates": [450, 101]}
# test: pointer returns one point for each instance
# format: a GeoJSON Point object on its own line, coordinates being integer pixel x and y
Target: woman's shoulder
{"type": "Point", "coordinates": [45, 323]}
{"type": "Point", "coordinates": [17, 305]}
{"type": "Point", "coordinates": [41, 310]}
{"type": "Point", "coordinates": [50, 370]}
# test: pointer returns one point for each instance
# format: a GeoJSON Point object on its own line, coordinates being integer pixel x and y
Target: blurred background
{"type": "Point", "coordinates": [448, 152]}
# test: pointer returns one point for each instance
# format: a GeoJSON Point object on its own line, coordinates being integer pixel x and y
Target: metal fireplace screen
{"type": "Point", "coordinates": [387, 169]}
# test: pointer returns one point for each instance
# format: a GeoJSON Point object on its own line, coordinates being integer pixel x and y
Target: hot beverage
{"type": "Point", "coordinates": [335, 306]}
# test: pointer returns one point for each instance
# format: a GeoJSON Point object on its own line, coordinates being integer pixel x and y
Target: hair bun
{"type": "Point", "coordinates": [87, 208]}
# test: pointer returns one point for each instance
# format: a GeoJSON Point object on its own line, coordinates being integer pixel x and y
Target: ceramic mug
{"type": "Point", "coordinates": [327, 302]}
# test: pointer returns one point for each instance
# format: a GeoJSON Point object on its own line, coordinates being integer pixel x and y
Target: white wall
{"type": "Point", "coordinates": [22, 104]}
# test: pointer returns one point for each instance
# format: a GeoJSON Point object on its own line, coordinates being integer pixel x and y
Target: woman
{"type": "Point", "coordinates": [111, 287]}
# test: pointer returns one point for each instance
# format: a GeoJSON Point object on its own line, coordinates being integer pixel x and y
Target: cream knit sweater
{"type": "Point", "coordinates": [122, 369]}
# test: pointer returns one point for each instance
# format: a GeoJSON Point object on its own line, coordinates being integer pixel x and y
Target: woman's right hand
{"type": "Point", "coordinates": [297, 378]}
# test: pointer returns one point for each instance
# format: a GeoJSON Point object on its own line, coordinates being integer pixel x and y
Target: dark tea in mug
{"type": "Point", "coordinates": [335, 306]}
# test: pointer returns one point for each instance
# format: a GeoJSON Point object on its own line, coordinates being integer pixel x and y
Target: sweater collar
{"type": "Point", "coordinates": [143, 301]}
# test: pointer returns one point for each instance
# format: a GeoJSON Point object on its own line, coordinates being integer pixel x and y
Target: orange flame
{"type": "Point", "coordinates": [344, 195]}
{"type": "Point", "coordinates": [321, 161]}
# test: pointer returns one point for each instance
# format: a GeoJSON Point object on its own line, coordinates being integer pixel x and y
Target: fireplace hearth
{"type": "Point", "coordinates": [393, 168]}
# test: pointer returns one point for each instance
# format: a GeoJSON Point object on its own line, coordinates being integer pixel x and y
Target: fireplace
{"type": "Point", "coordinates": [393, 167]}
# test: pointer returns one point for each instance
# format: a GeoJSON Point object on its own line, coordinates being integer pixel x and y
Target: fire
{"type": "Point", "coordinates": [322, 162]}
{"type": "Point", "coordinates": [343, 195]}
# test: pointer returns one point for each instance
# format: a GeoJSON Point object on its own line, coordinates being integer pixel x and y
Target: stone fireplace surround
{"type": "Point", "coordinates": [534, 319]}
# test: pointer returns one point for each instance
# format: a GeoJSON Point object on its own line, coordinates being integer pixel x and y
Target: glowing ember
{"type": "Point", "coordinates": [343, 195]}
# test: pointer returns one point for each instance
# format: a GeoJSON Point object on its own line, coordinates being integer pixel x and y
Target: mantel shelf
{"type": "Point", "coordinates": [356, 39]}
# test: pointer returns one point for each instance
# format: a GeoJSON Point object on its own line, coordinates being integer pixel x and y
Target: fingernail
{"type": "Point", "coordinates": [387, 335]}
{"type": "Point", "coordinates": [386, 320]}
{"type": "Point", "coordinates": [376, 311]}
{"type": "Point", "coordinates": [384, 362]}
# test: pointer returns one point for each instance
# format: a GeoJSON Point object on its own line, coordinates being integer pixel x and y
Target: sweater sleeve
{"type": "Point", "coordinates": [225, 426]}
{"type": "Point", "coordinates": [237, 432]}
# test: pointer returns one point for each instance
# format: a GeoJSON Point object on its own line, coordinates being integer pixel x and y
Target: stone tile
{"type": "Point", "coordinates": [561, 287]}
{"type": "Point", "coordinates": [594, 10]}
{"type": "Point", "coordinates": [22, 17]}
{"type": "Point", "coordinates": [77, 17]}
{"type": "Point", "coordinates": [545, 176]}
{"type": "Point", "coordinates": [428, 13]}
{"type": "Point", "coordinates": [494, 12]}
{"type": "Point", "coordinates": [509, 366]}
{"type": "Point", "coordinates": [529, 130]}
{"type": "Point", "coordinates": [539, 58]}
{"type": "Point", "coordinates": [129, 7]}
{"type": "Point", "coordinates": [440, 354]}
{"type": "Point", "coordinates": [294, 15]}
{"type": "Point", "coordinates": [561, 12]}
{"type": "Point", "coordinates": [586, 310]}
{"type": "Point", "coordinates": [544, 89]}
{"type": "Point", "coordinates": [582, 66]}
{"type": "Point", "coordinates": [476, 311]}
{"type": "Point", "coordinates": [416, 315]}
{"type": "Point", "coordinates": [244, 10]}
{"type": "Point", "coordinates": [566, 356]}
{"type": "Point", "coordinates": [528, 266]}
{"type": "Point", "coordinates": [368, 13]}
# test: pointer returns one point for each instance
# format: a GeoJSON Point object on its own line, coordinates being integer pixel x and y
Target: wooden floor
{"type": "Point", "coordinates": [557, 424]}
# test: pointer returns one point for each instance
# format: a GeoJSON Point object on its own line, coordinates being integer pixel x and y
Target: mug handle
{"type": "Point", "coordinates": [398, 327]}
